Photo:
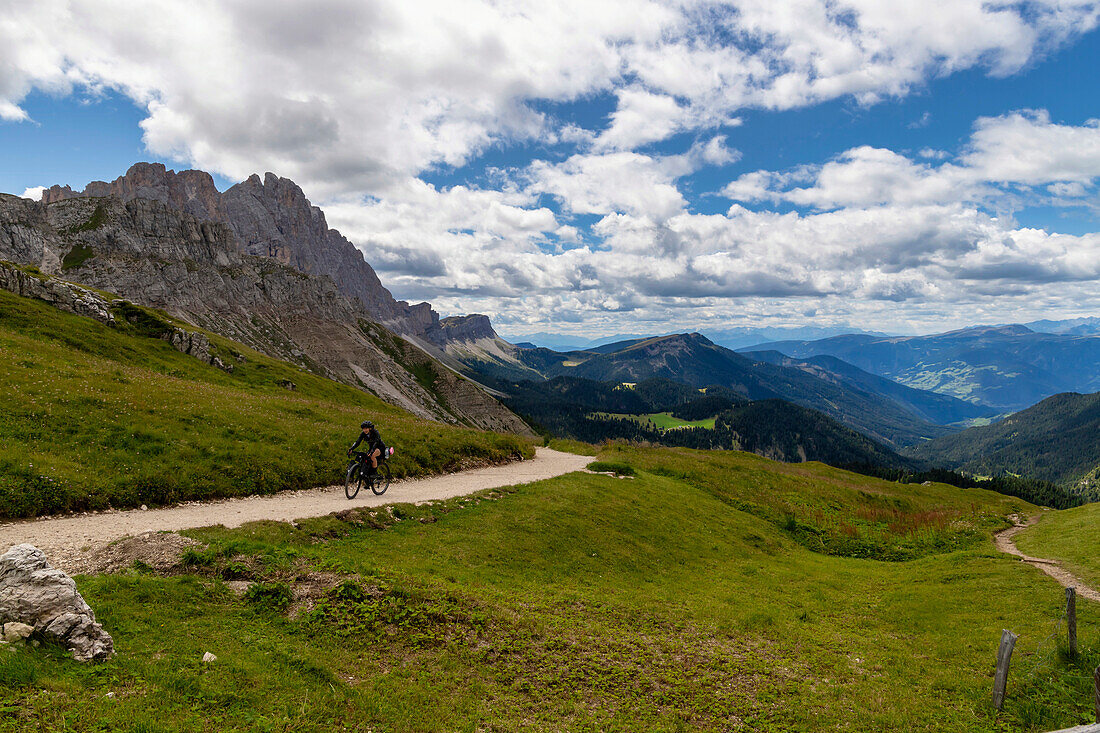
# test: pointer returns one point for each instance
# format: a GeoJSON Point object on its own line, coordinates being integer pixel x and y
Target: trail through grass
{"type": "Point", "coordinates": [585, 603]}
{"type": "Point", "coordinates": [93, 416]}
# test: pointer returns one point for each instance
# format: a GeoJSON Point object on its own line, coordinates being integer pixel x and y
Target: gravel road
{"type": "Point", "coordinates": [68, 540]}
{"type": "Point", "coordinates": [1005, 543]}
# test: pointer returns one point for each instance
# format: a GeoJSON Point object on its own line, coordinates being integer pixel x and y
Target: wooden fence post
{"type": "Point", "coordinates": [1096, 692]}
{"type": "Point", "coordinates": [1071, 619]}
{"type": "Point", "coordinates": [1000, 679]}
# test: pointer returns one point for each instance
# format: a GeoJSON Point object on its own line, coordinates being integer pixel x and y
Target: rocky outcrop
{"type": "Point", "coordinates": [463, 328]}
{"type": "Point", "coordinates": [197, 345]}
{"type": "Point", "coordinates": [271, 217]}
{"type": "Point", "coordinates": [150, 252]}
{"type": "Point", "coordinates": [65, 296]}
{"type": "Point", "coordinates": [34, 593]}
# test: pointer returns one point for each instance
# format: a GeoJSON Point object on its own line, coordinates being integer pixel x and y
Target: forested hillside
{"type": "Point", "coordinates": [1057, 440]}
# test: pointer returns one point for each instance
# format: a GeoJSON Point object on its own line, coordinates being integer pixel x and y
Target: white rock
{"type": "Point", "coordinates": [209, 658]}
{"type": "Point", "coordinates": [144, 508]}
{"type": "Point", "coordinates": [34, 593]}
{"type": "Point", "coordinates": [15, 631]}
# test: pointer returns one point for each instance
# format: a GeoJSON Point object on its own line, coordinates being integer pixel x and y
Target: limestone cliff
{"type": "Point", "coordinates": [152, 250]}
{"type": "Point", "coordinates": [271, 217]}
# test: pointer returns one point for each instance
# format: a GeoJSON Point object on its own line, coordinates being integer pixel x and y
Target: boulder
{"type": "Point", "coordinates": [34, 593]}
{"type": "Point", "coordinates": [14, 631]}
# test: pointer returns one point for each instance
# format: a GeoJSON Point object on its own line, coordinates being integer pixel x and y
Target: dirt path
{"type": "Point", "coordinates": [68, 540]}
{"type": "Point", "coordinates": [1005, 543]}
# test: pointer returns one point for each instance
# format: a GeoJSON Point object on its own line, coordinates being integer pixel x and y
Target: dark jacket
{"type": "Point", "coordinates": [372, 439]}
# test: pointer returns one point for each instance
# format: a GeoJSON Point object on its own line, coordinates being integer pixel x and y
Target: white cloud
{"type": "Point", "coordinates": [348, 97]}
{"type": "Point", "coordinates": [34, 192]}
{"type": "Point", "coordinates": [1007, 160]}
{"type": "Point", "coordinates": [1026, 147]}
{"type": "Point", "coordinates": [355, 100]}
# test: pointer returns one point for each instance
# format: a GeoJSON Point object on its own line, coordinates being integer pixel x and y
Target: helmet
{"type": "Point", "coordinates": [367, 424]}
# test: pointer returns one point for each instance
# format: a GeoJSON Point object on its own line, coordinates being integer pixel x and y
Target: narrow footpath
{"type": "Point", "coordinates": [1005, 543]}
{"type": "Point", "coordinates": [66, 540]}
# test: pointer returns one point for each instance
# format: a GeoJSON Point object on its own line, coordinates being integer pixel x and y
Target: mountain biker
{"type": "Point", "coordinates": [375, 446]}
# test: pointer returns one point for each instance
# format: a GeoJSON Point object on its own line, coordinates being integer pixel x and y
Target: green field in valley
{"type": "Point", "coordinates": [688, 598]}
{"type": "Point", "coordinates": [93, 416]}
{"type": "Point", "coordinates": [662, 420]}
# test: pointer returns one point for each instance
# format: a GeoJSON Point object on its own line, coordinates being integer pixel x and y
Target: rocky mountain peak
{"type": "Point", "coordinates": [466, 328]}
{"type": "Point", "coordinates": [272, 218]}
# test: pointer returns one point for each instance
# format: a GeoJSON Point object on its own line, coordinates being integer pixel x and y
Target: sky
{"type": "Point", "coordinates": [594, 168]}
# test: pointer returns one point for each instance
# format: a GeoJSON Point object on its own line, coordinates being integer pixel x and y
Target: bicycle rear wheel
{"type": "Point", "coordinates": [381, 480]}
{"type": "Point", "coordinates": [352, 481]}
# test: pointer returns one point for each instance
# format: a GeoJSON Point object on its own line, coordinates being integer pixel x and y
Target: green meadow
{"type": "Point", "coordinates": [1071, 537]}
{"type": "Point", "coordinates": [662, 420]}
{"type": "Point", "coordinates": [94, 417]}
{"type": "Point", "coordinates": [587, 603]}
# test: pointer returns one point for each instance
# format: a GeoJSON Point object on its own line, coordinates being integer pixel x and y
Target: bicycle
{"type": "Point", "coordinates": [360, 474]}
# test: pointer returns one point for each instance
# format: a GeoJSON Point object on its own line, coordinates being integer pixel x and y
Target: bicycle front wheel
{"type": "Point", "coordinates": [381, 480]}
{"type": "Point", "coordinates": [352, 481]}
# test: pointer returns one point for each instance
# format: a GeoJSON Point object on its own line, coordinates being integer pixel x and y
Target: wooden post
{"type": "Point", "coordinates": [1096, 692]}
{"type": "Point", "coordinates": [1071, 620]}
{"type": "Point", "coordinates": [1000, 679]}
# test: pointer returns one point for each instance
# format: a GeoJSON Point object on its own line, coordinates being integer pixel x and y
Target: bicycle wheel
{"type": "Point", "coordinates": [352, 481]}
{"type": "Point", "coordinates": [381, 480]}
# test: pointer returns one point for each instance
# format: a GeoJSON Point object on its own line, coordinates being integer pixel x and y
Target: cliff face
{"type": "Point", "coordinates": [152, 251]}
{"type": "Point", "coordinates": [271, 218]}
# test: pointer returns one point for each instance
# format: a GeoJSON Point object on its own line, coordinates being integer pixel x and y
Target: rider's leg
{"type": "Point", "coordinates": [374, 458]}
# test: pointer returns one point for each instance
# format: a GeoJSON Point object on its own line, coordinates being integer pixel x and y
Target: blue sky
{"type": "Point", "coordinates": [592, 169]}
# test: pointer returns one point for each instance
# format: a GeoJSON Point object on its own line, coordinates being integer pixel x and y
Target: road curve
{"type": "Point", "coordinates": [1005, 543]}
{"type": "Point", "coordinates": [67, 540]}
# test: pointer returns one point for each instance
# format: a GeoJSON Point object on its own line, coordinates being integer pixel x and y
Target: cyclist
{"type": "Point", "coordinates": [375, 446]}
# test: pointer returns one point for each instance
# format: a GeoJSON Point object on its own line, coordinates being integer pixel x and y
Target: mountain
{"type": "Point", "coordinates": [742, 336]}
{"type": "Point", "coordinates": [1006, 368]}
{"type": "Point", "coordinates": [937, 408]}
{"type": "Point", "coordinates": [593, 411]}
{"type": "Point", "coordinates": [1071, 326]}
{"type": "Point", "coordinates": [694, 360]}
{"type": "Point", "coordinates": [1057, 440]}
{"type": "Point", "coordinates": [171, 241]}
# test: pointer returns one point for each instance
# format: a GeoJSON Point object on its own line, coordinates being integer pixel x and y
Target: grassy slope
{"type": "Point", "coordinates": [664, 420]}
{"type": "Point", "coordinates": [92, 416]}
{"type": "Point", "coordinates": [1070, 536]}
{"type": "Point", "coordinates": [1021, 443]}
{"type": "Point", "coordinates": [581, 603]}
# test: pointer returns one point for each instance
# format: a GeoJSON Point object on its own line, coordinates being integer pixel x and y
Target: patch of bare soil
{"type": "Point", "coordinates": [1005, 543]}
{"type": "Point", "coordinates": [309, 587]}
{"type": "Point", "coordinates": [159, 551]}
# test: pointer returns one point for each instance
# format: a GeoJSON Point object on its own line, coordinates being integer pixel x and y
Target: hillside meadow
{"type": "Point", "coordinates": [93, 417]}
{"type": "Point", "coordinates": [684, 598]}
{"type": "Point", "coordinates": [1069, 536]}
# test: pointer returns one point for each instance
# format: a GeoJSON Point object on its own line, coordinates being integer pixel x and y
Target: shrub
{"type": "Point", "coordinates": [619, 469]}
{"type": "Point", "coordinates": [269, 596]}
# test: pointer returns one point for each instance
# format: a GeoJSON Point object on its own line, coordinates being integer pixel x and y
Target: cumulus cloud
{"type": "Point", "coordinates": [357, 102]}
{"type": "Point", "coordinates": [1008, 159]}
{"type": "Point", "coordinates": [348, 97]}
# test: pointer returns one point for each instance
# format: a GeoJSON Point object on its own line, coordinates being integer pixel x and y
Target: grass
{"type": "Point", "coordinates": [93, 416]}
{"type": "Point", "coordinates": [581, 603]}
{"type": "Point", "coordinates": [1069, 536]}
{"type": "Point", "coordinates": [662, 420]}
{"type": "Point", "coordinates": [833, 511]}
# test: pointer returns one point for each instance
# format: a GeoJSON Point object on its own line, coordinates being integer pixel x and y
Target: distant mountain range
{"type": "Point", "coordinates": [1071, 327]}
{"type": "Point", "coordinates": [884, 411]}
{"type": "Point", "coordinates": [1057, 440]}
{"type": "Point", "coordinates": [1006, 368]}
{"type": "Point", "coordinates": [731, 338]}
